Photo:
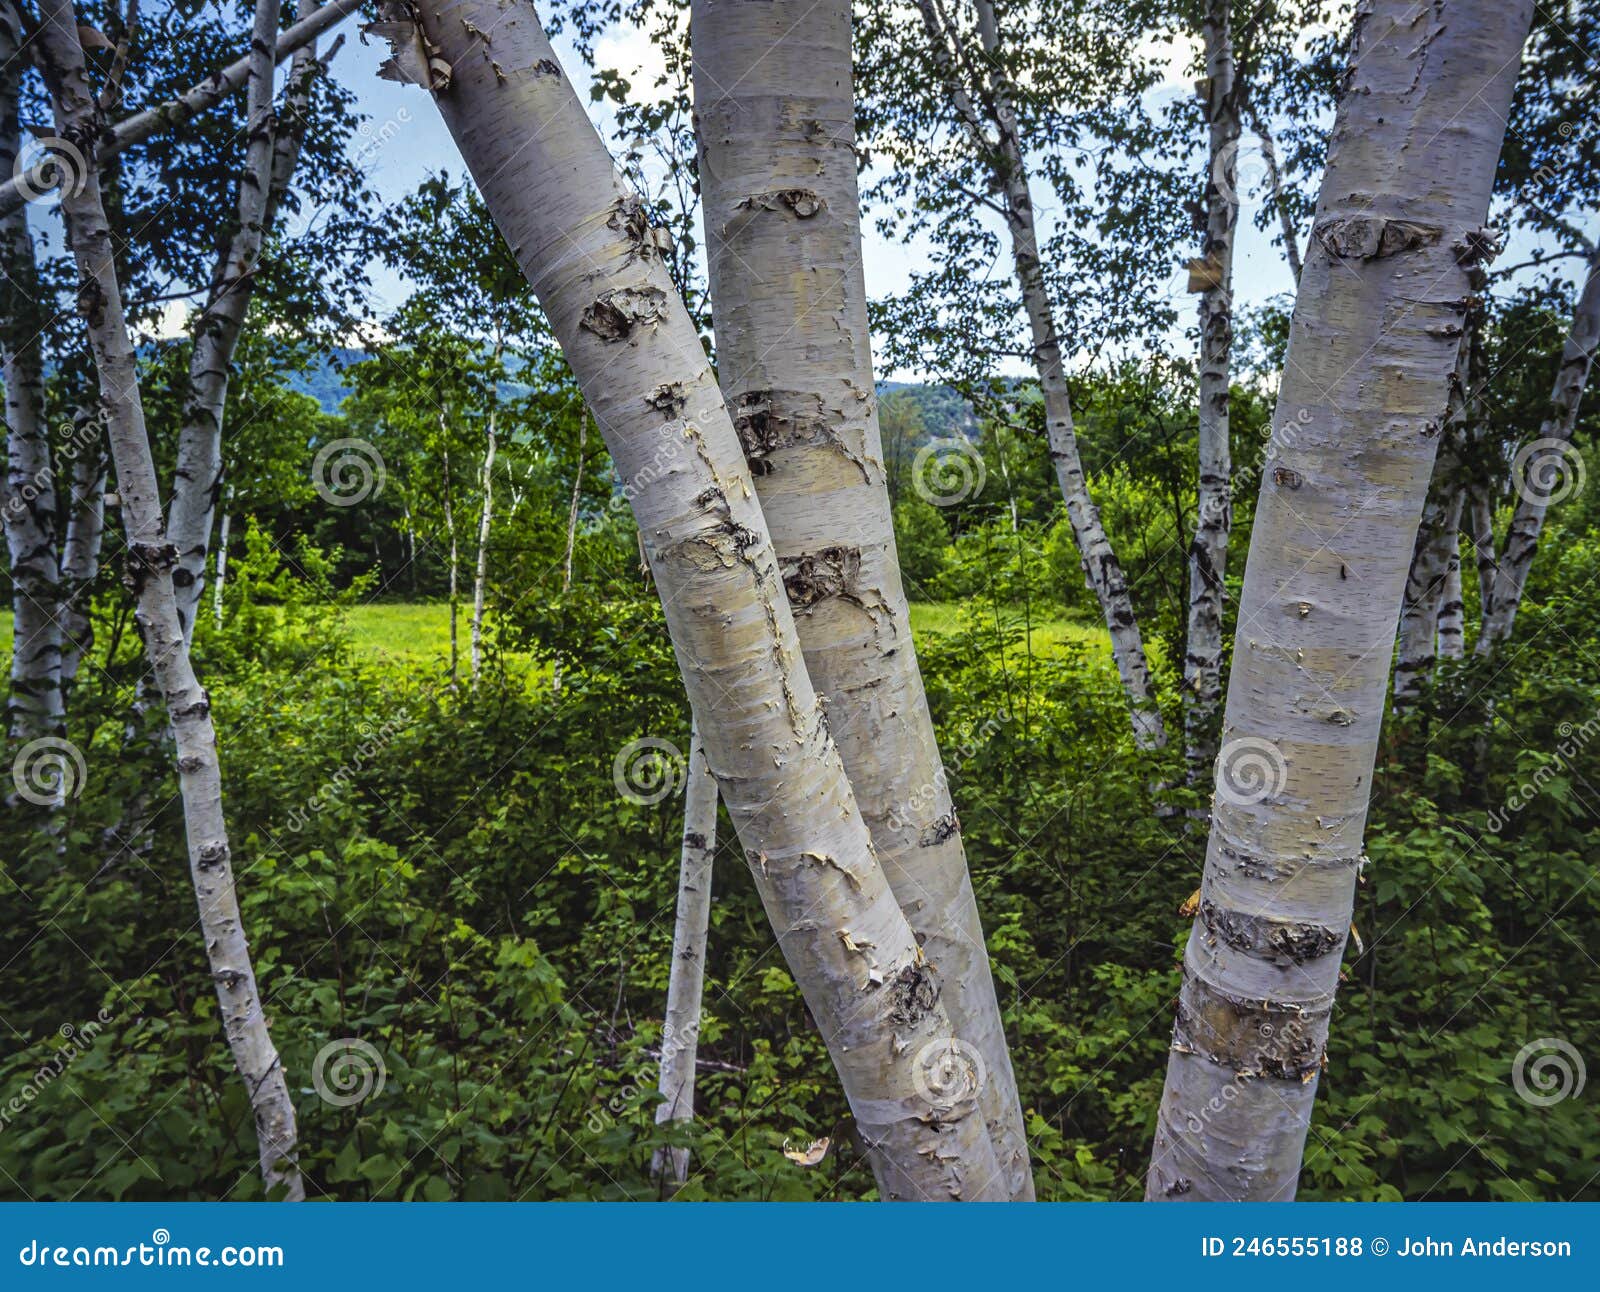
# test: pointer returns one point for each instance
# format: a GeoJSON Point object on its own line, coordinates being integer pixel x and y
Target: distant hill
{"type": "Point", "coordinates": [944, 412]}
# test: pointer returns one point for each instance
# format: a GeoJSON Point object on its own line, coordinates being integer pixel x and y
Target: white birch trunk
{"type": "Point", "coordinates": [1208, 553]}
{"type": "Point", "coordinates": [1008, 168]}
{"type": "Point", "coordinates": [577, 496]}
{"type": "Point", "coordinates": [197, 483]}
{"type": "Point", "coordinates": [1286, 229]}
{"type": "Point", "coordinates": [586, 246]}
{"type": "Point", "coordinates": [222, 569]}
{"type": "Point", "coordinates": [1481, 513]}
{"type": "Point", "coordinates": [80, 549]}
{"type": "Point", "coordinates": [1374, 342]}
{"type": "Point", "coordinates": [29, 505]}
{"type": "Point", "coordinates": [1452, 611]}
{"type": "Point", "coordinates": [150, 562]}
{"type": "Point", "coordinates": [1423, 602]}
{"type": "Point", "coordinates": [1541, 463]}
{"type": "Point", "coordinates": [221, 84]}
{"type": "Point", "coordinates": [775, 119]}
{"type": "Point", "coordinates": [680, 1032]}
{"type": "Point", "coordinates": [480, 574]}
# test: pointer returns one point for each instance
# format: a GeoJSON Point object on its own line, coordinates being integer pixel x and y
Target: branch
{"type": "Point", "coordinates": [134, 130]}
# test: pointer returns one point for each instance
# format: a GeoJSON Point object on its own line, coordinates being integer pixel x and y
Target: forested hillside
{"type": "Point", "coordinates": [625, 720]}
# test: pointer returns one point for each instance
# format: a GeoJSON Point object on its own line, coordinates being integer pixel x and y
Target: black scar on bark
{"type": "Point", "coordinates": [913, 993]}
{"type": "Point", "coordinates": [1281, 942]}
{"type": "Point", "coordinates": [615, 315]}
{"type": "Point", "coordinates": [816, 576]}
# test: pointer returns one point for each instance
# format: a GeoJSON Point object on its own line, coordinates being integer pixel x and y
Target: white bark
{"type": "Point", "coordinates": [1376, 333]}
{"type": "Point", "coordinates": [134, 130]}
{"type": "Point", "coordinates": [222, 569]}
{"type": "Point", "coordinates": [1423, 603]}
{"type": "Point", "coordinates": [480, 574]}
{"type": "Point", "coordinates": [1208, 553]}
{"type": "Point", "coordinates": [1543, 465]}
{"type": "Point", "coordinates": [584, 243]}
{"type": "Point", "coordinates": [1481, 519]}
{"type": "Point", "coordinates": [995, 137]}
{"type": "Point", "coordinates": [577, 496]}
{"type": "Point", "coordinates": [1452, 612]}
{"type": "Point", "coordinates": [775, 119]}
{"type": "Point", "coordinates": [28, 508]}
{"type": "Point", "coordinates": [680, 1032]}
{"type": "Point", "coordinates": [80, 549]}
{"type": "Point", "coordinates": [269, 164]}
{"type": "Point", "coordinates": [1286, 229]}
{"type": "Point", "coordinates": [150, 562]}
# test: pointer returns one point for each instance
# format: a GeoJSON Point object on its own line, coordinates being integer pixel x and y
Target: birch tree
{"type": "Point", "coordinates": [680, 1031]}
{"type": "Point", "coordinates": [1213, 272]}
{"type": "Point", "coordinates": [593, 260]}
{"type": "Point", "coordinates": [1543, 467]}
{"type": "Point", "coordinates": [35, 703]}
{"type": "Point", "coordinates": [775, 117]}
{"type": "Point", "coordinates": [1376, 333]}
{"type": "Point", "coordinates": [150, 562]}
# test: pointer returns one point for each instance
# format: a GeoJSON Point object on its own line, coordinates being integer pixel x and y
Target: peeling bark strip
{"type": "Point", "coordinates": [775, 120]}
{"type": "Point", "coordinates": [28, 502]}
{"type": "Point", "coordinates": [134, 130]}
{"type": "Point", "coordinates": [1208, 553]}
{"type": "Point", "coordinates": [680, 1032]}
{"type": "Point", "coordinates": [553, 189]}
{"type": "Point", "coordinates": [188, 708]}
{"type": "Point", "coordinates": [1522, 539]}
{"type": "Point", "coordinates": [1372, 350]}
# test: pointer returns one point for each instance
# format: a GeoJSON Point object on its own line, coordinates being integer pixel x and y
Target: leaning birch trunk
{"type": "Point", "coordinates": [480, 573]}
{"type": "Point", "coordinates": [1423, 602]}
{"type": "Point", "coordinates": [1484, 555]}
{"type": "Point", "coordinates": [1372, 348]}
{"type": "Point", "coordinates": [455, 562]}
{"type": "Point", "coordinates": [1008, 168]}
{"type": "Point", "coordinates": [80, 549]}
{"type": "Point", "coordinates": [587, 247]}
{"type": "Point", "coordinates": [1208, 553]}
{"type": "Point", "coordinates": [220, 85]}
{"type": "Point", "coordinates": [35, 704]}
{"type": "Point", "coordinates": [1544, 469]}
{"type": "Point", "coordinates": [789, 307]}
{"type": "Point", "coordinates": [1452, 611]}
{"type": "Point", "coordinates": [197, 480]}
{"type": "Point", "coordinates": [680, 1033]}
{"type": "Point", "coordinates": [1279, 200]}
{"type": "Point", "coordinates": [150, 562]}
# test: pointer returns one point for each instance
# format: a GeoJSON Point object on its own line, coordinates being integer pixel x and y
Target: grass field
{"type": "Point", "coordinates": [421, 629]}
